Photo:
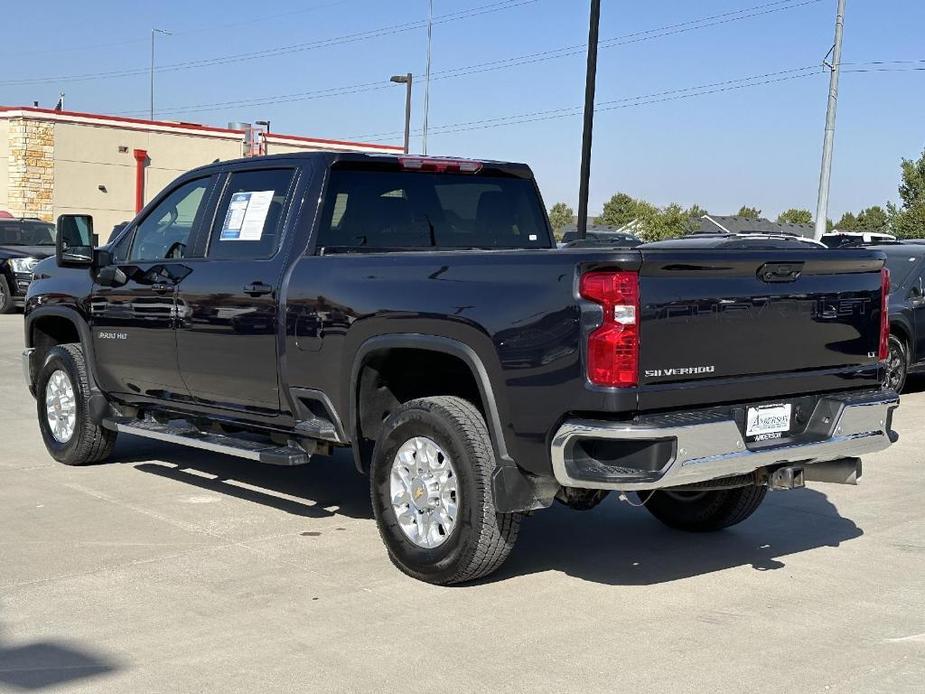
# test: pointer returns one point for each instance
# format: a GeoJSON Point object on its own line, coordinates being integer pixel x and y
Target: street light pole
{"type": "Point", "coordinates": [430, 31]}
{"type": "Point", "coordinates": [825, 176]}
{"type": "Point", "coordinates": [154, 31]}
{"type": "Point", "coordinates": [590, 83]}
{"type": "Point", "coordinates": [407, 80]}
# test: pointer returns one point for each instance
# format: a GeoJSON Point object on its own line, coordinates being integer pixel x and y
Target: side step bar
{"type": "Point", "coordinates": [194, 438]}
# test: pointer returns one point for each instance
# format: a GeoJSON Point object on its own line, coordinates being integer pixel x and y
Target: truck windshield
{"type": "Point", "coordinates": [380, 210]}
{"type": "Point", "coordinates": [26, 233]}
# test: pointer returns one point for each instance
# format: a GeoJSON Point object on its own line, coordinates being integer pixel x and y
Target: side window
{"type": "Point", "coordinates": [248, 222]}
{"type": "Point", "coordinates": [166, 231]}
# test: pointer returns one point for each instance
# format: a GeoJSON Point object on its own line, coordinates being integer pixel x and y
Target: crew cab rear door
{"type": "Point", "coordinates": [228, 305]}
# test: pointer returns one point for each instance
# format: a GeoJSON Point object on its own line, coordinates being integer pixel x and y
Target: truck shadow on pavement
{"type": "Point", "coordinates": [613, 544]}
{"type": "Point", "coordinates": [35, 666]}
{"type": "Point", "coordinates": [328, 485]}
{"type": "Point", "coordinates": [617, 544]}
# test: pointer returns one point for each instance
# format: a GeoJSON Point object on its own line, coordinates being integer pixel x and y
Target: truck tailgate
{"type": "Point", "coordinates": [756, 314]}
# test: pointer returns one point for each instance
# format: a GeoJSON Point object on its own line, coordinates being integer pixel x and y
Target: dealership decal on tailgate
{"type": "Point", "coordinates": [768, 422]}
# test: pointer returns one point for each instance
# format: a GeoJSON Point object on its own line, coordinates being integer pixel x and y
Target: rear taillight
{"type": "Point", "coordinates": [613, 348]}
{"type": "Point", "coordinates": [884, 352]}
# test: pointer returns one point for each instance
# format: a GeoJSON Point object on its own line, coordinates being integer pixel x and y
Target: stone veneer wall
{"type": "Point", "coordinates": [31, 168]}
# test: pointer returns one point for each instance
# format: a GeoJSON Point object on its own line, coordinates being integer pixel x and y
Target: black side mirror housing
{"type": "Point", "coordinates": [74, 240]}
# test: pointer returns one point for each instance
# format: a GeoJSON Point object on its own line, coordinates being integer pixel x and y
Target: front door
{"type": "Point", "coordinates": [134, 321]}
{"type": "Point", "coordinates": [229, 303]}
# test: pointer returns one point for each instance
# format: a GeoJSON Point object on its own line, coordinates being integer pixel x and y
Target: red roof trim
{"type": "Point", "coordinates": [188, 126]}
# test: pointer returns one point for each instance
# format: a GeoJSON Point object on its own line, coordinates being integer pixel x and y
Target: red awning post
{"type": "Point", "coordinates": [141, 157]}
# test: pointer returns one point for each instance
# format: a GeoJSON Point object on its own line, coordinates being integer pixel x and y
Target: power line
{"type": "Point", "coordinates": [195, 30]}
{"type": "Point", "coordinates": [616, 104]}
{"type": "Point", "coordinates": [653, 98]}
{"type": "Point", "coordinates": [516, 61]}
{"type": "Point", "coordinates": [285, 50]}
{"type": "Point", "coordinates": [606, 105]}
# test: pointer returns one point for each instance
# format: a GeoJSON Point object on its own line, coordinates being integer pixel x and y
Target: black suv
{"type": "Point", "coordinates": [23, 243]}
{"type": "Point", "coordinates": [906, 262]}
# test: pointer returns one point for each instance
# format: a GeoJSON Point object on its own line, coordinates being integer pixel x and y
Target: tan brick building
{"type": "Point", "coordinates": [53, 162]}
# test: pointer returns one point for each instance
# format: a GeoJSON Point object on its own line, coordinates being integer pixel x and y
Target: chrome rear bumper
{"type": "Point", "coordinates": [705, 446]}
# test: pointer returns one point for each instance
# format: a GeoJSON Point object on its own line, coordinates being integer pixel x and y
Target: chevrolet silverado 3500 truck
{"type": "Point", "coordinates": [418, 310]}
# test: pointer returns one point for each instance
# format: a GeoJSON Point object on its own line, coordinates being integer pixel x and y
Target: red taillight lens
{"type": "Point", "coordinates": [884, 352]}
{"type": "Point", "coordinates": [613, 348]}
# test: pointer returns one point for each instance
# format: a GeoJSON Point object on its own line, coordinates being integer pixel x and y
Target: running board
{"type": "Point", "coordinates": [194, 438]}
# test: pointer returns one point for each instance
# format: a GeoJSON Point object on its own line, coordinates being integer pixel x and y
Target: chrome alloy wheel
{"type": "Point", "coordinates": [895, 368]}
{"type": "Point", "coordinates": [60, 406]}
{"type": "Point", "coordinates": [424, 494]}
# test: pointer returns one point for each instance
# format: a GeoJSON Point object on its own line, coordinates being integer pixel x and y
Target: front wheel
{"type": "Point", "coordinates": [897, 367]}
{"type": "Point", "coordinates": [431, 492]}
{"type": "Point", "coordinates": [704, 511]}
{"type": "Point", "coordinates": [62, 392]}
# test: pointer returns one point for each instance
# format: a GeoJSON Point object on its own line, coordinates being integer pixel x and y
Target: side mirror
{"type": "Point", "coordinates": [916, 291]}
{"type": "Point", "coordinates": [74, 240]}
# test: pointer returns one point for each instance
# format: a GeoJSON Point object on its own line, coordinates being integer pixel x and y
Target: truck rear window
{"type": "Point", "coordinates": [384, 210]}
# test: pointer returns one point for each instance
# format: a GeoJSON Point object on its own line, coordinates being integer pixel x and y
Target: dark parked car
{"type": "Point", "coordinates": [598, 237]}
{"type": "Point", "coordinates": [906, 262]}
{"type": "Point", "coordinates": [417, 310]}
{"type": "Point", "coordinates": [23, 242]}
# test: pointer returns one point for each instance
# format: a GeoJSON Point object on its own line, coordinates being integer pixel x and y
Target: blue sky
{"type": "Point", "coordinates": [759, 145]}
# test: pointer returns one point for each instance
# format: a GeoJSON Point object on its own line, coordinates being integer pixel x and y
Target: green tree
{"type": "Point", "coordinates": [695, 211]}
{"type": "Point", "coordinates": [795, 216]}
{"type": "Point", "coordinates": [560, 215]}
{"type": "Point", "coordinates": [873, 219]}
{"type": "Point", "coordinates": [622, 209]}
{"type": "Point", "coordinates": [848, 222]}
{"type": "Point", "coordinates": [908, 221]}
{"type": "Point", "coordinates": [667, 223]}
{"type": "Point", "coordinates": [749, 212]}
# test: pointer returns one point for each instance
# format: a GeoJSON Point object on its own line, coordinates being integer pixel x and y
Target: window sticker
{"type": "Point", "coordinates": [246, 216]}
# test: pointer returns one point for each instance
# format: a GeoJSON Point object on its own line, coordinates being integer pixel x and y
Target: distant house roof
{"type": "Point", "coordinates": [734, 224]}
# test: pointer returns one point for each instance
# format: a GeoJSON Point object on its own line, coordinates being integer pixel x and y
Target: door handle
{"type": "Point", "coordinates": [257, 289]}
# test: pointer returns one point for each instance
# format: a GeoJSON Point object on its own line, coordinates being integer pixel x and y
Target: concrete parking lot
{"type": "Point", "coordinates": [175, 570]}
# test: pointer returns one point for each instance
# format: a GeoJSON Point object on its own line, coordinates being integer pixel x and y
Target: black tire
{"type": "Point", "coordinates": [481, 538]}
{"type": "Point", "coordinates": [705, 511]}
{"type": "Point", "coordinates": [7, 304]}
{"type": "Point", "coordinates": [89, 442]}
{"type": "Point", "coordinates": [897, 364]}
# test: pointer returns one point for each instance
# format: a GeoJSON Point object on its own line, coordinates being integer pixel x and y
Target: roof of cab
{"type": "Point", "coordinates": [329, 157]}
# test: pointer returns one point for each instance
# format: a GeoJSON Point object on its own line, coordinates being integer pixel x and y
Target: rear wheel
{"type": "Point", "coordinates": [897, 364]}
{"type": "Point", "coordinates": [6, 296]}
{"type": "Point", "coordinates": [62, 394]}
{"type": "Point", "coordinates": [432, 496]}
{"type": "Point", "coordinates": [707, 510]}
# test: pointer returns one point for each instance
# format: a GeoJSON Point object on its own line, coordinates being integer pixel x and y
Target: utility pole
{"type": "Point", "coordinates": [407, 80]}
{"type": "Point", "coordinates": [590, 83]}
{"type": "Point", "coordinates": [430, 32]}
{"type": "Point", "coordinates": [825, 177]}
{"type": "Point", "coordinates": [154, 31]}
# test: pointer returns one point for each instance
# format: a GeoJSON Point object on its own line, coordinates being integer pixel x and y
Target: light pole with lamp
{"type": "Point", "coordinates": [407, 80]}
{"type": "Point", "coordinates": [154, 32]}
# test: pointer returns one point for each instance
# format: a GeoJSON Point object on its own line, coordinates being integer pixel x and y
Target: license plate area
{"type": "Point", "coordinates": [767, 422]}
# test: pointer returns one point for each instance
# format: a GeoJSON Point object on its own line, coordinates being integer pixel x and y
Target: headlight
{"type": "Point", "coordinates": [24, 265]}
